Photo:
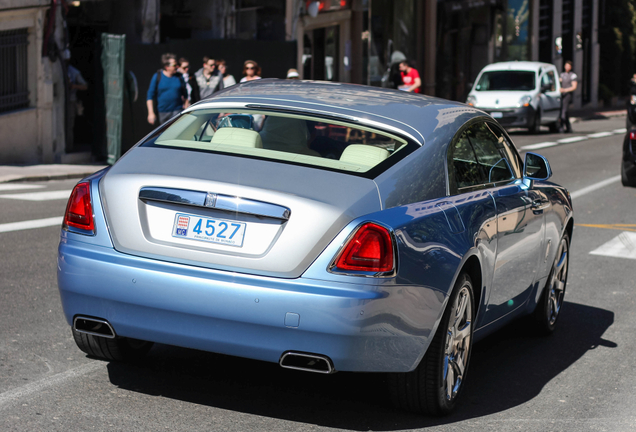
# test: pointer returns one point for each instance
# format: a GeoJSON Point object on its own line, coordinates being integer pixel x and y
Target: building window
{"type": "Point", "coordinates": [14, 91]}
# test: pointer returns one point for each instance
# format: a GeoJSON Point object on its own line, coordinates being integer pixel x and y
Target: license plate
{"type": "Point", "coordinates": [496, 115]}
{"type": "Point", "coordinates": [210, 230]}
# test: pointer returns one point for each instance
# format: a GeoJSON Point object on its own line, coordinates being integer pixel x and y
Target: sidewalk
{"type": "Point", "coordinates": [9, 173]}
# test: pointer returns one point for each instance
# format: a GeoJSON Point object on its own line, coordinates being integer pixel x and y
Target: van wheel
{"type": "Point", "coordinates": [535, 127]}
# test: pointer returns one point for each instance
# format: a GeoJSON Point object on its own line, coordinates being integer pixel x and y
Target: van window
{"type": "Point", "coordinates": [506, 80]}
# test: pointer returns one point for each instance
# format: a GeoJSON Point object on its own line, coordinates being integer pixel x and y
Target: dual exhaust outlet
{"type": "Point", "coordinates": [289, 360]}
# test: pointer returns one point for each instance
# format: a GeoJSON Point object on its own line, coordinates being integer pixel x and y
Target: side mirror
{"type": "Point", "coordinates": [536, 167]}
{"type": "Point", "coordinates": [545, 88]}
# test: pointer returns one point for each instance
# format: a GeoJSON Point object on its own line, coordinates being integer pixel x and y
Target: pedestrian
{"type": "Point", "coordinates": [568, 86]}
{"type": "Point", "coordinates": [168, 89]}
{"type": "Point", "coordinates": [191, 83]}
{"type": "Point", "coordinates": [293, 74]}
{"type": "Point", "coordinates": [208, 78]}
{"type": "Point", "coordinates": [228, 80]}
{"type": "Point", "coordinates": [76, 82]}
{"type": "Point", "coordinates": [410, 78]}
{"type": "Point", "coordinates": [251, 71]}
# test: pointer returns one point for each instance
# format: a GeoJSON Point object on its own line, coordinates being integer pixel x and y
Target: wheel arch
{"type": "Point", "coordinates": [472, 266]}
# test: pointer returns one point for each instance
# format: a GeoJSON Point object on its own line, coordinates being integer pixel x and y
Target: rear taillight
{"type": "Point", "coordinates": [370, 249]}
{"type": "Point", "coordinates": [632, 135]}
{"type": "Point", "coordinates": [79, 210]}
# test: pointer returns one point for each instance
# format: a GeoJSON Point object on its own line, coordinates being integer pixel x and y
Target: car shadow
{"type": "Point", "coordinates": [507, 369]}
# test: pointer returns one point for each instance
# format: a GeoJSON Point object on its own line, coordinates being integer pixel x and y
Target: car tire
{"type": "Point", "coordinates": [548, 309]}
{"type": "Point", "coordinates": [625, 180]}
{"type": "Point", "coordinates": [435, 385]}
{"type": "Point", "coordinates": [535, 126]}
{"type": "Point", "coordinates": [117, 349]}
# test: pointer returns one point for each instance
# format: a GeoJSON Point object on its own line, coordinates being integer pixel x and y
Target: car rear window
{"type": "Point", "coordinates": [506, 80]}
{"type": "Point", "coordinates": [286, 138]}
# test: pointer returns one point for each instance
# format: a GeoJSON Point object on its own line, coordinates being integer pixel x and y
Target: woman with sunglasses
{"type": "Point", "coordinates": [251, 71]}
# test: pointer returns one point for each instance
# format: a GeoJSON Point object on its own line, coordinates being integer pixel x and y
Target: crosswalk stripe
{"type": "Point", "coordinates": [16, 186]}
{"type": "Point", "coordinates": [37, 223]}
{"type": "Point", "coordinates": [600, 135]}
{"type": "Point", "coordinates": [40, 196]}
{"type": "Point", "coordinates": [619, 131]}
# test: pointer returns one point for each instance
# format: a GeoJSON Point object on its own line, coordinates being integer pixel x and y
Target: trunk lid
{"type": "Point", "coordinates": [229, 212]}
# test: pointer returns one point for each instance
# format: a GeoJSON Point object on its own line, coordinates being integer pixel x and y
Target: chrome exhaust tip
{"type": "Point", "coordinates": [307, 362]}
{"type": "Point", "coordinates": [93, 326]}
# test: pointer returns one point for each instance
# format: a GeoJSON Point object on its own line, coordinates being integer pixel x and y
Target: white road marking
{"type": "Point", "coordinates": [37, 223]}
{"type": "Point", "coordinates": [595, 186]}
{"type": "Point", "coordinates": [622, 246]}
{"type": "Point", "coordinates": [35, 387]}
{"type": "Point", "coordinates": [40, 196]}
{"type": "Point", "coordinates": [539, 145]}
{"type": "Point", "coordinates": [600, 134]}
{"type": "Point", "coordinates": [15, 186]}
{"type": "Point", "coordinates": [572, 139]}
{"type": "Point", "coordinates": [619, 131]}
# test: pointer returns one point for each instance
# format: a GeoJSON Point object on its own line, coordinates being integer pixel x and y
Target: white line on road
{"type": "Point", "coordinates": [600, 134]}
{"type": "Point", "coordinates": [622, 246]}
{"type": "Point", "coordinates": [15, 186]}
{"type": "Point", "coordinates": [539, 145]}
{"type": "Point", "coordinates": [40, 196]}
{"type": "Point", "coordinates": [595, 186]}
{"type": "Point", "coordinates": [37, 223]}
{"type": "Point", "coordinates": [619, 131]}
{"type": "Point", "coordinates": [40, 385]}
{"type": "Point", "coordinates": [572, 139]}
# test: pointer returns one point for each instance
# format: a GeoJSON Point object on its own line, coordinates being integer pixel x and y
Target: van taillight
{"type": "Point", "coordinates": [79, 210]}
{"type": "Point", "coordinates": [370, 249]}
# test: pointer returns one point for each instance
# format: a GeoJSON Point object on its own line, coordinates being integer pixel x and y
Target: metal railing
{"type": "Point", "coordinates": [14, 87]}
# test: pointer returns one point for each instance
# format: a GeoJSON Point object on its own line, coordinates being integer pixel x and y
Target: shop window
{"type": "Point", "coordinates": [14, 92]}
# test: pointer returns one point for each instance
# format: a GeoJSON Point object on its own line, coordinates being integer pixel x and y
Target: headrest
{"type": "Point", "coordinates": [364, 155]}
{"type": "Point", "coordinates": [237, 137]}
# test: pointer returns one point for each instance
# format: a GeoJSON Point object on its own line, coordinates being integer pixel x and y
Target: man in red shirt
{"type": "Point", "coordinates": [410, 78]}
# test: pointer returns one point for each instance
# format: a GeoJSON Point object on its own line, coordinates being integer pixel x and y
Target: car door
{"type": "Point", "coordinates": [550, 96]}
{"type": "Point", "coordinates": [519, 228]}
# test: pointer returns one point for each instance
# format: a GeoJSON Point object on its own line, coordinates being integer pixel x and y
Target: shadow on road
{"type": "Point", "coordinates": [507, 369]}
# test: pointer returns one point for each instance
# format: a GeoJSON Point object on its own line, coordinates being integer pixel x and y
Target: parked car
{"type": "Point", "coordinates": [422, 231]}
{"type": "Point", "coordinates": [519, 94]}
{"type": "Point", "coordinates": [628, 164]}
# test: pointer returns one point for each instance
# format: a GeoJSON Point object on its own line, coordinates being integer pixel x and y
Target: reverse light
{"type": "Point", "coordinates": [79, 210]}
{"type": "Point", "coordinates": [370, 249]}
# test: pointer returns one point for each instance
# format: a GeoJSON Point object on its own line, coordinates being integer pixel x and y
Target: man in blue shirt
{"type": "Point", "coordinates": [168, 89]}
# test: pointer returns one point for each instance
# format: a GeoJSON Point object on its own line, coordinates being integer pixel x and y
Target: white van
{"type": "Point", "coordinates": [519, 94]}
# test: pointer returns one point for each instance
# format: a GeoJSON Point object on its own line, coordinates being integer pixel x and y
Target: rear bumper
{"type": "Point", "coordinates": [362, 327]}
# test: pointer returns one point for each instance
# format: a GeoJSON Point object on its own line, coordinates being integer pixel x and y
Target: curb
{"type": "Point", "coordinates": [43, 177]}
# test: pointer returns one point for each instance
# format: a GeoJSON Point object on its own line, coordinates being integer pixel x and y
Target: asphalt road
{"type": "Point", "coordinates": [582, 378]}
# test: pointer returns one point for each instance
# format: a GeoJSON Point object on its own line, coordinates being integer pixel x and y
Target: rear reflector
{"type": "Point", "coordinates": [79, 211]}
{"type": "Point", "coordinates": [370, 249]}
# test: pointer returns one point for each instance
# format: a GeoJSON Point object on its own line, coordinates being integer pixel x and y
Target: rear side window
{"type": "Point", "coordinates": [285, 138]}
{"type": "Point", "coordinates": [479, 158]}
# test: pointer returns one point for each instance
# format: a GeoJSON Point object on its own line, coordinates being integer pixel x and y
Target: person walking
{"type": "Point", "coordinates": [569, 83]}
{"type": "Point", "coordinates": [251, 71]}
{"type": "Point", "coordinates": [168, 89]}
{"type": "Point", "coordinates": [208, 78]}
{"type": "Point", "coordinates": [76, 82]}
{"type": "Point", "coordinates": [228, 80]}
{"type": "Point", "coordinates": [191, 83]}
{"type": "Point", "coordinates": [410, 78]}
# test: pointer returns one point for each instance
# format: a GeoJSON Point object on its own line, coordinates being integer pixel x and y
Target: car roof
{"type": "Point", "coordinates": [517, 65]}
{"type": "Point", "coordinates": [416, 115]}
